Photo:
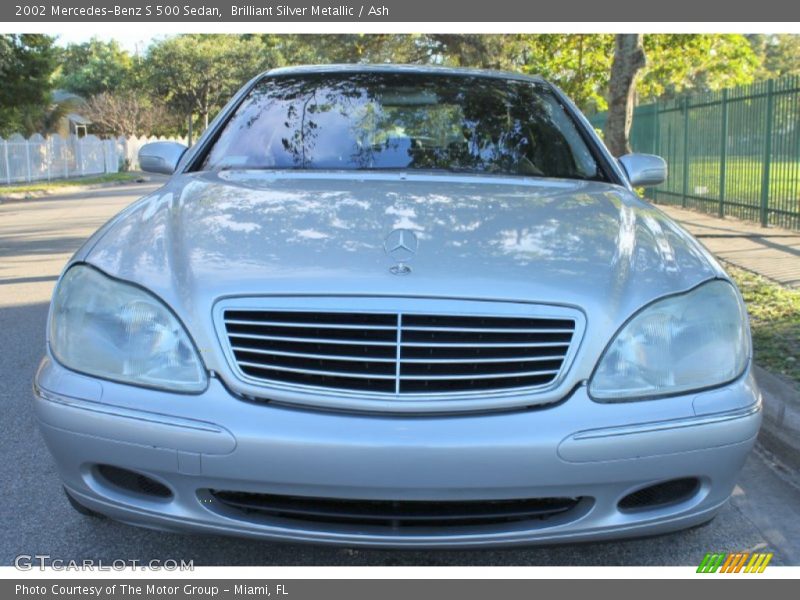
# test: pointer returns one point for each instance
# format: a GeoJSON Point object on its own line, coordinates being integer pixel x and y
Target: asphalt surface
{"type": "Point", "coordinates": [36, 239]}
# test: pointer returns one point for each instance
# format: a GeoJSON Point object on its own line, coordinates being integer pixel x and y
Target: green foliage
{"type": "Point", "coordinates": [779, 54]}
{"type": "Point", "coordinates": [198, 73]}
{"type": "Point", "coordinates": [27, 62]}
{"type": "Point", "coordinates": [579, 64]}
{"type": "Point", "coordinates": [482, 51]}
{"type": "Point", "coordinates": [347, 48]}
{"type": "Point", "coordinates": [774, 320]}
{"type": "Point", "coordinates": [696, 62]}
{"type": "Point", "coordinates": [94, 67]}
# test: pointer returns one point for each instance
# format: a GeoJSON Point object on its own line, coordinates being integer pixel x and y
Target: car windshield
{"type": "Point", "coordinates": [407, 121]}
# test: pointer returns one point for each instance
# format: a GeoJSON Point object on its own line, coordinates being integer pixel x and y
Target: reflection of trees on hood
{"type": "Point", "coordinates": [555, 229]}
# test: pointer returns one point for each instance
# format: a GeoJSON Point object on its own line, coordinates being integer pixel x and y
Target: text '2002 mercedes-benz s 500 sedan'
{"type": "Point", "coordinates": [398, 306]}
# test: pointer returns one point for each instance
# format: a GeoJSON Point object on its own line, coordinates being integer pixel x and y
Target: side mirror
{"type": "Point", "coordinates": [644, 170]}
{"type": "Point", "coordinates": [161, 157]}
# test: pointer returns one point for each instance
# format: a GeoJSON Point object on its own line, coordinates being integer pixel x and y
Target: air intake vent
{"type": "Point", "coordinates": [398, 354]}
{"type": "Point", "coordinates": [660, 495]}
{"type": "Point", "coordinates": [130, 481]}
{"type": "Point", "coordinates": [394, 514]}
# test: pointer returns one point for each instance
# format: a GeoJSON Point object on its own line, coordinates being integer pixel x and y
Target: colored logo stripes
{"type": "Point", "coordinates": [735, 562]}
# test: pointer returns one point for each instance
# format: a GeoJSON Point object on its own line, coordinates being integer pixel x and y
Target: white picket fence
{"type": "Point", "coordinates": [54, 157]}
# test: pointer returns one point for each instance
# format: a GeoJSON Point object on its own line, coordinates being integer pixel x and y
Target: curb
{"type": "Point", "coordinates": [780, 429]}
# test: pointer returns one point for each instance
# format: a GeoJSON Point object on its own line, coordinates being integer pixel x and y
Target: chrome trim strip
{"type": "Point", "coordinates": [120, 412]}
{"type": "Point", "coordinates": [592, 434]}
{"type": "Point", "coordinates": [399, 353]}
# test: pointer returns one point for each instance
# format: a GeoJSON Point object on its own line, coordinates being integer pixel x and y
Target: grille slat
{"type": "Point", "coordinates": [397, 354]}
{"type": "Point", "coordinates": [484, 344]}
{"type": "Point", "coordinates": [309, 325]}
{"type": "Point", "coordinates": [314, 340]}
{"type": "Point", "coordinates": [497, 369]}
{"type": "Point", "coordinates": [342, 357]}
{"type": "Point", "coordinates": [471, 360]}
{"type": "Point", "coordinates": [275, 367]}
{"type": "Point", "coordinates": [476, 375]}
{"type": "Point", "coordinates": [317, 333]}
{"type": "Point", "coordinates": [341, 349]}
{"type": "Point", "coordinates": [318, 318]}
{"type": "Point", "coordinates": [486, 330]}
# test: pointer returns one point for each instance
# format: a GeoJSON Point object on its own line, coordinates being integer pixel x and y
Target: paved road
{"type": "Point", "coordinates": [37, 237]}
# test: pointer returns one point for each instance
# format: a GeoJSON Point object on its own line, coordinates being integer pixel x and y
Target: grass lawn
{"type": "Point", "coordinates": [742, 186]}
{"type": "Point", "coordinates": [47, 186]}
{"type": "Point", "coordinates": [775, 321]}
{"type": "Point", "coordinates": [743, 178]}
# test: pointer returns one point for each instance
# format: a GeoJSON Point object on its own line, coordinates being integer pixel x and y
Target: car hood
{"type": "Point", "coordinates": [589, 245]}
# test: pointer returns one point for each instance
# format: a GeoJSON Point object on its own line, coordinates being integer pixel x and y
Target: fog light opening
{"type": "Point", "coordinates": [130, 481]}
{"type": "Point", "coordinates": [666, 493]}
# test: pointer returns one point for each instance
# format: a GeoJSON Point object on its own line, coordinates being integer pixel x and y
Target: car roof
{"type": "Point", "coordinates": [400, 68]}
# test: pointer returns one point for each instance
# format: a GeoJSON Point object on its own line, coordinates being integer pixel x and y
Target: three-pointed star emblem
{"type": "Point", "coordinates": [401, 245]}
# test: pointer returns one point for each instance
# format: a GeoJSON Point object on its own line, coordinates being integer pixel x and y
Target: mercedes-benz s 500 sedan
{"type": "Point", "coordinates": [398, 306]}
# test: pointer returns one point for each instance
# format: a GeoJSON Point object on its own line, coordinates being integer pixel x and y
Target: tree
{"type": "Point", "coordinates": [629, 58]}
{"type": "Point", "coordinates": [27, 62]}
{"type": "Point", "coordinates": [198, 73]}
{"type": "Point", "coordinates": [580, 64]}
{"type": "Point", "coordinates": [680, 63]}
{"type": "Point", "coordinates": [127, 113]}
{"type": "Point", "coordinates": [348, 48]}
{"type": "Point", "coordinates": [782, 55]}
{"type": "Point", "coordinates": [94, 67]}
{"type": "Point", "coordinates": [484, 51]}
{"type": "Point", "coordinates": [779, 54]}
{"type": "Point", "coordinates": [677, 63]}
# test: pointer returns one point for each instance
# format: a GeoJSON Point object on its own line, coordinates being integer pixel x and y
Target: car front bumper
{"type": "Point", "coordinates": [575, 448]}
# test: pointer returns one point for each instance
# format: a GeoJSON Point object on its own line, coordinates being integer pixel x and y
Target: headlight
{"type": "Point", "coordinates": [695, 340]}
{"type": "Point", "coordinates": [114, 330]}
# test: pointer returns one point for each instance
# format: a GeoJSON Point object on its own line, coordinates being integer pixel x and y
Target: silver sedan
{"type": "Point", "coordinates": [398, 306]}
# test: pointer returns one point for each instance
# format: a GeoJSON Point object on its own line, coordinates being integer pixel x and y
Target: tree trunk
{"type": "Point", "coordinates": [629, 58]}
{"type": "Point", "coordinates": [189, 136]}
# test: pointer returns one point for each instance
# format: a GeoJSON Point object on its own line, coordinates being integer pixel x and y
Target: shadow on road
{"type": "Point", "coordinates": [20, 280]}
{"type": "Point", "coordinates": [11, 248]}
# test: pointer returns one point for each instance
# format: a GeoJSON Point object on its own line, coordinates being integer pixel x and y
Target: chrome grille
{"type": "Point", "coordinates": [400, 354]}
